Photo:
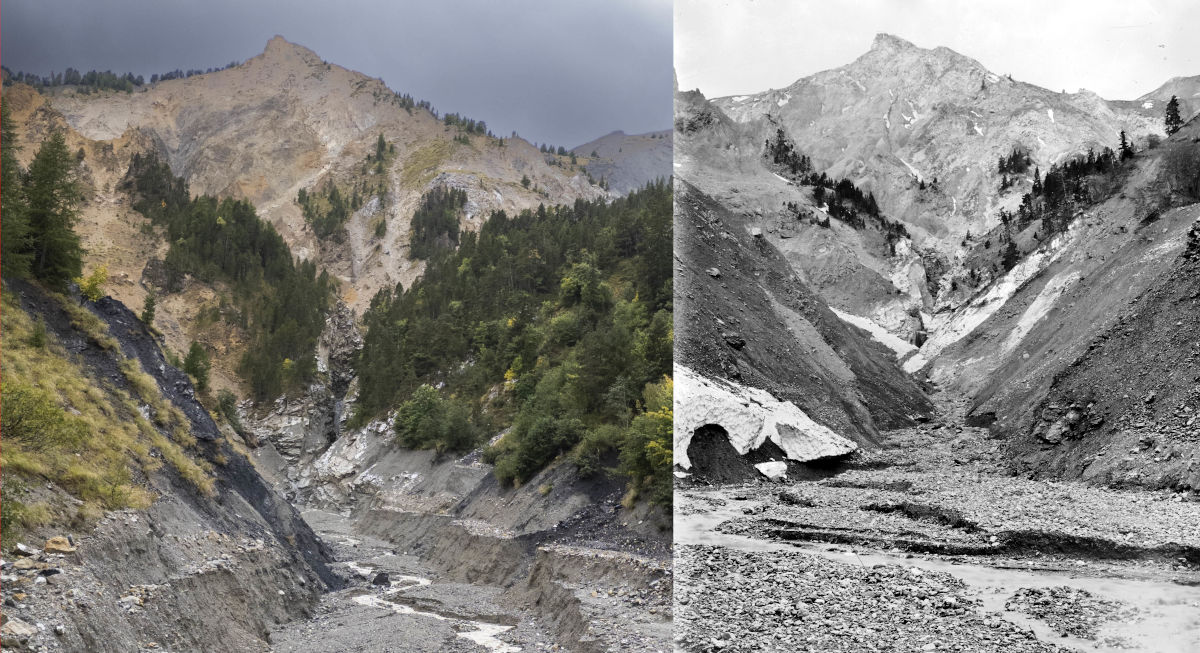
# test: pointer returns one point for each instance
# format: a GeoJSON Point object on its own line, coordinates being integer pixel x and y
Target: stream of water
{"type": "Point", "coordinates": [1168, 619]}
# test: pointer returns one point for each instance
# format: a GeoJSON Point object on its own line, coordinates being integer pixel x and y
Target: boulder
{"type": "Point", "coordinates": [776, 470]}
{"type": "Point", "coordinates": [381, 579]}
{"type": "Point", "coordinates": [59, 544]}
{"type": "Point", "coordinates": [15, 630]}
{"type": "Point", "coordinates": [24, 550]}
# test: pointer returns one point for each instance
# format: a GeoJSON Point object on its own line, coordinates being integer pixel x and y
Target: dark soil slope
{"type": "Point", "coordinates": [1128, 411]}
{"type": "Point", "coordinates": [744, 315]}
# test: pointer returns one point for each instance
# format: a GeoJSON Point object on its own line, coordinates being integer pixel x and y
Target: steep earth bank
{"type": "Point", "coordinates": [192, 571]}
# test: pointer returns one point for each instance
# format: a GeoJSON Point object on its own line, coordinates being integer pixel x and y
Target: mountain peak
{"type": "Point", "coordinates": [888, 42]}
{"type": "Point", "coordinates": [281, 48]}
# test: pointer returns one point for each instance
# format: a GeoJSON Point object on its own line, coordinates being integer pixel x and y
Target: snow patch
{"type": "Point", "coordinates": [887, 120]}
{"type": "Point", "coordinates": [878, 333]}
{"type": "Point", "coordinates": [1039, 307]}
{"type": "Point", "coordinates": [783, 179]}
{"type": "Point", "coordinates": [750, 416]}
{"type": "Point", "coordinates": [785, 100]}
{"type": "Point", "coordinates": [947, 331]}
{"type": "Point", "coordinates": [1040, 141]}
{"type": "Point", "coordinates": [741, 98]}
{"type": "Point", "coordinates": [992, 78]}
{"type": "Point", "coordinates": [916, 173]}
{"type": "Point", "coordinates": [977, 129]}
{"type": "Point", "coordinates": [1050, 112]}
{"type": "Point", "coordinates": [914, 363]}
{"type": "Point", "coordinates": [1147, 105]}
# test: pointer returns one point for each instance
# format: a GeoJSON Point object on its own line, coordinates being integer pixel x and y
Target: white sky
{"type": "Point", "coordinates": [1119, 49]}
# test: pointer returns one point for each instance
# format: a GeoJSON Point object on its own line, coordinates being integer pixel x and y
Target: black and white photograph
{"type": "Point", "coordinates": [937, 280]}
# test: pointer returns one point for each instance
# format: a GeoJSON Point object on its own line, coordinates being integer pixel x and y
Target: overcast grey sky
{"type": "Point", "coordinates": [557, 72]}
{"type": "Point", "coordinates": [1120, 49]}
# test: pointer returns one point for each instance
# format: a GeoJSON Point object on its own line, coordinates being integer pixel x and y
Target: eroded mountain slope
{"type": "Point", "coordinates": [744, 315]}
{"type": "Point", "coordinates": [286, 120]}
{"type": "Point", "coordinates": [628, 161]}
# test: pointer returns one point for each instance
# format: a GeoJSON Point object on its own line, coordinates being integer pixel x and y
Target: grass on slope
{"type": "Point", "coordinates": [63, 427]}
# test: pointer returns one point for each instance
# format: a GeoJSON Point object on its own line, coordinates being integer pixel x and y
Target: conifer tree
{"type": "Point", "coordinates": [148, 308]}
{"type": "Point", "coordinates": [52, 196]}
{"type": "Point", "coordinates": [15, 246]}
{"type": "Point", "coordinates": [1172, 119]}
{"type": "Point", "coordinates": [196, 363]}
{"type": "Point", "coordinates": [1125, 148]}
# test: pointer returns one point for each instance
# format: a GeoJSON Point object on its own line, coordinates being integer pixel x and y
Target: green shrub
{"type": "Point", "coordinates": [646, 453]}
{"type": "Point", "coordinates": [429, 421]}
{"type": "Point", "coordinates": [34, 417]}
{"type": "Point", "coordinates": [536, 444]}
{"type": "Point", "coordinates": [598, 442]}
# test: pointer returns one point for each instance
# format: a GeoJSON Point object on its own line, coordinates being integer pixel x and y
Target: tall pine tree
{"type": "Point", "coordinates": [1125, 148]}
{"type": "Point", "coordinates": [15, 255]}
{"type": "Point", "coordinates": [52, 196]}
{"type": "Point", "coordinates": [1172, 119]}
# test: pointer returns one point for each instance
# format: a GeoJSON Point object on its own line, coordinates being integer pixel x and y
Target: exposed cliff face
{"type": "Point", "coordinates": [1085, 360]}
{"type": "Point", "coordinates": [894, 121]}
{"type": "Point", "coordinates": [1023, 344]}
{"type": "Point", "coordinates": [286, 120]}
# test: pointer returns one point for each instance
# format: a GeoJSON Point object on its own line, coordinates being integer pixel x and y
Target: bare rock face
{"type": "Point", "coordinates": [286, 120]}
{"type": "Point", "coordinates": [921, 129]}
{"type": "Point", "coordinates": [900, 115]}
{"type": "Point", "coordinates": [628, 161]}
{"type": "Point", "coordinates": [751, 417]}
{"type": "Point", "coordinates": [301, 428]}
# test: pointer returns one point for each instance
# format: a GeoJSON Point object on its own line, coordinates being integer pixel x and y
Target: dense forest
{"type": "Point", "coordinates": [435, 222]}
{"type": "Point", "coordinates": [280, 302]}
{"type": "Point", "coordinates": [555, 323]}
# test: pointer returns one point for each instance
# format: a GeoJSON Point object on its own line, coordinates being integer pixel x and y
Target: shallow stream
{"type": "Point", "coordinates": [1168, 614]}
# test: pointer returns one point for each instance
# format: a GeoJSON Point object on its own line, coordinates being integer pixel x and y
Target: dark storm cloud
{"type": "Point", "coordinates": [557, 72]}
